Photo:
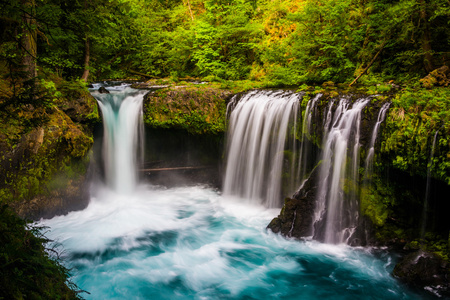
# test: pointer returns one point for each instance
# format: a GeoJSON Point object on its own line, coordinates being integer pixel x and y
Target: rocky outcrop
{"type": "Point", "coordinates": [103, 90]}
{"type": "Point", "coordinates": [425, 270]}
{"type": "Point", "coordinates": [44, 164]}
{"type": "Point", "coordinates": [296, 216]}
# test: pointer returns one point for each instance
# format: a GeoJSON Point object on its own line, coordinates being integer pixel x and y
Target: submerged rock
{"type": "Point", "coordinates": [425, 270]}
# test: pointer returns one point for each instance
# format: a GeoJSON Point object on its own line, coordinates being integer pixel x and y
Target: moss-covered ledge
{"type": "Point", "coordinates": [198, 109]}
{"type": "Point", "coordinates": [44, 153]}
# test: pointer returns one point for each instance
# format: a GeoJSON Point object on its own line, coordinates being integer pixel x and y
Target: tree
{"type": "Point", "coordinates": [29, 39]}
{"type": "Point", "coordinates": [226, 39]}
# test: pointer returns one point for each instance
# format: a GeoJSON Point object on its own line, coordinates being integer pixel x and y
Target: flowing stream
{"type": "Point", "coordinates": [194, 243]}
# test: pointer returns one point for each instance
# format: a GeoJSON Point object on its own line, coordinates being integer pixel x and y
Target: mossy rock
{"type": "Point", "coordinates": [438, 77]}
{"type": "Point", "coordinates": [198, 110]}
{"type": "Point", "coordinates": [34, 154]}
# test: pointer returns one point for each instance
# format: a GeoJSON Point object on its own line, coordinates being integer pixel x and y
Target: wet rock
{"type": "Point", "coordinates": [82, 109]}
{"type": "Point", "coordinates": [296, 216]}
{"type": "Point", "coordinates": [103, 90]}
{"type": "Point", "coordinates": [425, 270]}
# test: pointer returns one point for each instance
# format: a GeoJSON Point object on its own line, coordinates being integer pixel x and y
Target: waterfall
{"type": "Point", "coordinates": [304, 154]}
{"type": "Point", "coordinates": [123, 136]}
{"type": "Point", "coordinates": [427, 188]}
{"type": "Point", "coordinates": [262, 128]}
{"type": "Point", "coordinates": [371, 152]}
{"type": "Point", "coordinates": [336, 212]}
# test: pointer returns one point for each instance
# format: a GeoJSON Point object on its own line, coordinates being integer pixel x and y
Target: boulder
{"type": "Point", "coordinates": [296, 216]}
{"type": "Point", "coordinates": [103, 90]}
{"type": "Point", "coordinates": [425, 270]}
{"type": "Point", "coordinates": [438, 77]}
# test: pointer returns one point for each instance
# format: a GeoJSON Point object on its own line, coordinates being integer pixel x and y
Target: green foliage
{"type": "Point", "coordinates": [417, 115]}
{"type": "Point", "coordinates": [225, 39]}
{"type": "Point", "coordinates": [377, 201]}
{"type": "Point", "coordinates": [282, 42]}
{"type": "Point", "coordinates": [26, 269]}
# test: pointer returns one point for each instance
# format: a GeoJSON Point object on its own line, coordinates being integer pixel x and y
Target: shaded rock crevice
{"type": "Point", "coordinates": [297, 215]}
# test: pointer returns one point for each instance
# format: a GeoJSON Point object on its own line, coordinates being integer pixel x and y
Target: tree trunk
{"type": "Point", "coordinates": [426, 39]}
{"type": "Point", "coordinates": [369, 65]}
{"type": "Point", "coordinates": [87, 53]}
{"type": "Point", "coordinates": [29, 39]}
{"type": "Point", "coordinates": [190, 11]}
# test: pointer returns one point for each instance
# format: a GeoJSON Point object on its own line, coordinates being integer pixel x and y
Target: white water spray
{"type": "Point", "coordinates": [260, 124]}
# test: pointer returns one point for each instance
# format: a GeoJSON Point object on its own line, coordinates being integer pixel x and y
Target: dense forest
{"type": "Point", "coordinates": [281, 42]}
{"type": "Point", "coordinates": [50, 50]}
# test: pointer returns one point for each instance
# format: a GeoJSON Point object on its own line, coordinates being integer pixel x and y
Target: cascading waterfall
{"type": "Point", "coordinates": [427, 188]}
{"type": "Point", "coordinates": [192, 242]}
{"type": "Point", "coordinates": [123, 136]}
{"type": "Point", "coordinates": [304, 153]}
{"type": "Point", "coordinates": [371, 152]}
{"type": "Point", "coordinates": [336, 213]}
{"type": "Point", "coordinates": [259, 126]}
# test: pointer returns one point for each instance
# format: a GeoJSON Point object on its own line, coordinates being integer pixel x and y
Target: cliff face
{"type": "Point", "coordinates": [391, 202]}
{"type": "Point", "coordinates": [197, 109]}
{"type": "Point", "coordinates": [402, 202]}
{"type": "Point", "coordinates": [44, 155]}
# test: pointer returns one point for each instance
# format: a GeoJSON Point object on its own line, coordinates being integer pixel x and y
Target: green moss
{"type": "Point", "coordinates": [413, 120]}
{"type": "Point", "coordinates": [197, 111]}
{"type": "Point", "coordinates": [32, 154]}
{"type": "Point", "coordinates": [375, 204]}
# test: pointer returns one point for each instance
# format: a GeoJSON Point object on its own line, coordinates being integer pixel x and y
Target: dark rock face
{"type": "Point", "coordinates": [74, 196]}
{"type": "Point", "coordinates": [296, 216]}
{"type": "Point", "coordinates": [425, 271]}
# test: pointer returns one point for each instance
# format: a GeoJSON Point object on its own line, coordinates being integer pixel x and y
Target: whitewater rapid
{"type": "Point", "coordinates": [138, 241]}
{"type": "Point", "coordinates": [193, 243]}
